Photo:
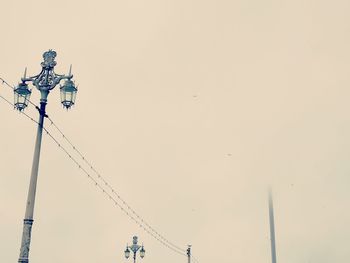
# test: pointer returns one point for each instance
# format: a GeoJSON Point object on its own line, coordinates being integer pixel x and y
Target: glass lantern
{"type": "Point", "coordinates": [142, 252]}
{"type": "Point", "coordinates": [68, 94]}
{"type": "Point", "coordinates": [22, 95]}
{"type": "Point", "coordinates": [127, 252]}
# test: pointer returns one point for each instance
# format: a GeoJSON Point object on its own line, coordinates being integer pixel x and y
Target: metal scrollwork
{"type": "Point", "coordinates": [47, 79]}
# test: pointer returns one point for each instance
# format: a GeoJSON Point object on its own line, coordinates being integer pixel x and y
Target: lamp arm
{"type": "Point", "coordinates": [57, 78]}
{"type": "Point", "coordinates": [60, 77]}
{"type": "Point", "coordinates": [65, 76]}
{"type": "Point", "coordinates": [134, 248]}
{"type": "Point", "coordinates": [32, 79]}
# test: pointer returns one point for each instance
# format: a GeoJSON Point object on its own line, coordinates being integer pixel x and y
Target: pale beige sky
{"type": "Point", "coordinates": [190, 109]}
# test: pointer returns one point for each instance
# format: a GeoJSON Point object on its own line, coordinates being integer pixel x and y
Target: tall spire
{"type": "Point", "coordinates": [272, 228]}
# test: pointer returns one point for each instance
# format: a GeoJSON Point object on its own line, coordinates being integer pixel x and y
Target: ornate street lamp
{"type": "Point", "coordinates": [45, 81]}
{"type": "Point", "coordinates": [134, 248]}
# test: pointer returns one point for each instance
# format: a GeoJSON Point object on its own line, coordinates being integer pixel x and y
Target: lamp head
{"type": "Point", "coordinates": [22, 95]}
{"type": "Point", "coordinates": [142, 252]}
{"type": "Point", "coordinates": [68, 93]}
{"type": "Point", "coordinates": [127, 252]}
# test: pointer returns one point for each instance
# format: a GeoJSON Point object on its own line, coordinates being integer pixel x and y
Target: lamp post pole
{"type": "Point", "coordinates": [28, 219]}
{"type": "Point", "coordinates": [44, 82]}
{"type": "Point", "coordinates": [272, 228]}
{"type": "Point", "coordinates": [189, 253]}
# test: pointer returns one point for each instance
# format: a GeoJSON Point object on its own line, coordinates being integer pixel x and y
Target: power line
{"type": "Point", "coordinates": [20, 112]}
{"type": "Point", "coordinates": [6, 100]}
{"type": "Point", "coordinates": [6, 83]}
{"type": "Point", "coordinates": [110, 197]}
{"type": "Point", "coordinates": [12, 87]}
{"type": "Point", "coordinates": [114, 192]}
{"type": "Point", "coordinates": [141, 223]}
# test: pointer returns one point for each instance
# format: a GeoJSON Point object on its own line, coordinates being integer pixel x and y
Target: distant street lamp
{"type": "Point", "coordinates": [189, 253]}
{"type": "Point", "coordinates": [134, 248]}
{"type": "Point", "coordinates": [45, 81]}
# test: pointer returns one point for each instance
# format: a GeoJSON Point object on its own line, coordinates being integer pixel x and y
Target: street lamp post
{"type": "Point", "coordinates": [45, 81]}
{"type": "Point", "coordinates": [189, 253]}
{"type": "Point", "coordinates": [134, 248]}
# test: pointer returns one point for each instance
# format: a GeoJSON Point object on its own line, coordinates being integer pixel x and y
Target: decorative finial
{"type": "Point", "coordinates": [49, 59]}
